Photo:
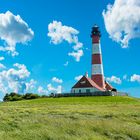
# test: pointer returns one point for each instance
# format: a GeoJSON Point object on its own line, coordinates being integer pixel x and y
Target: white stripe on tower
{"type": "Point", "coordinates": [97, 66]}
{"type": "Point", "coordinates": [96, 49]}
{"type": "Point", "coordinates": [97, 69]}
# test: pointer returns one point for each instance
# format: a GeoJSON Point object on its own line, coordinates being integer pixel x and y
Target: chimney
{"type": "Point", "coordinates": [86, 75]}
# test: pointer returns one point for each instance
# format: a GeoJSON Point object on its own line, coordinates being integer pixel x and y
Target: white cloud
{"type": "Point", "coordinates": [59, 33]}
{"type": "Point", "coordinates": [3, 88]}
{"type": "Point", "coordinates": [66, 64]}
{"type": "Point", "coordinates": [41, 90]}
{"type": "Point", "coordinates": [14, 79]}
{"type": "Point", "coordinates": [77, 55]}
{"type": "Point", "coordinates": [22, 71]}
{"type": "Point", "coordinates": [122, 21]}
{"type": "Point", "coordinates": [58, 89]}
{"type": "Point", "coordinates": [78, 46]}
{"type": "Point", "coordinates": [57, 80]}
{"type": "Point", "coordinates": [30, 85]}
{"type": "Point", "coordinates": [2, 58]}
{"type": "Point", "coordinates": [135, 78]}
{"type": "Point", "coordinates": [77, 78]}
{"type": "Point", "coordinates": [50, 89]}
{"type": "Point", "coordinates": [114, 79]}
{"type": "Point", "coordinates": [13, 30]}
{"type": "Point", "coordinates": [2, 66]}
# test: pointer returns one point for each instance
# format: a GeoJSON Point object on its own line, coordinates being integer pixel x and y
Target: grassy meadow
{"type": "Point", "coordinates": [71, 118]}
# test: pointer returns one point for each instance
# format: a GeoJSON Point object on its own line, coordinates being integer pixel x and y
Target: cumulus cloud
{"type": "Point", "coordinates": [30, 85]}
{"type": "Point", "coordinates": [57, 89]}
{"type": "Point", "coordinates": [77, 55]}
{"type": "Point", "coordinates": [13, 30]}
{"type": "Point", "coordinates": [77, 78]}
{"type": "Point", "coordinates": [14, 79]}
{"type": "Point", "coordinates": [122, 21]}
{"type": "Point", "coordinates": [41, 90]}
{"type": "Point", "coordinates": [135, 78]}
{"type": "Point", "coordinates": [114, 79]}
{"type": "Point", "coordinates": [49, 89]}
{"type": "Point", "coordinates": [2, 66]}
{"type": "Point", "coordinates": [59, 33]}
{"type": "Point", "coordinates": [126, 78]}
{"type": "Point", "coordinates": [22, 71]}
{"type": "Point", "coordinates": [2, 58]}
{"type": "Point", "coordinates": [78, 46]}
{"type": "Point", "coordinates": [57, 80]}
{"type": "Point", "coordinates": [3, 88]}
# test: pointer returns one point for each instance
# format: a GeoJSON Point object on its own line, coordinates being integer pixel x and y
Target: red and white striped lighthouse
{"type": "Point", "coordinates": [97, 74]}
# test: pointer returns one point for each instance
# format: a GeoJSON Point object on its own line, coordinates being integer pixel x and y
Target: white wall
{"type": "Point", "coordinates": [83, 90]}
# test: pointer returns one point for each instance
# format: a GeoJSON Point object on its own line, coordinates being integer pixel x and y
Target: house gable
{"type": "Point", "coordinates": [83, 83]}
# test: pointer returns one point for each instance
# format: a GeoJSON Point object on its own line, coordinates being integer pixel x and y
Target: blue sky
{"type": "Point", "coordinates": [45, 60]}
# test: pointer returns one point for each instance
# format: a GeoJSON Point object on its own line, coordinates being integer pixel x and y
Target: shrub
{"type": "Point", "coordinates": [52, 95]}
{"type": "Point", "coordinates": [44, 96]}
{"type": "Point", "coordinates": [12, 97]}
{"type": "Point", "coordinates": [16, 97]}
{"type": "Point", "coordinates": [12, 94]}
{"type": "Point", "coordinates": [6, 97]}
{"type": "Point", "coordinates": [28, 96]}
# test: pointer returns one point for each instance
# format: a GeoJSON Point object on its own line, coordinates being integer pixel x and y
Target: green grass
{"type": "Point", "coordinates": [72, 118]}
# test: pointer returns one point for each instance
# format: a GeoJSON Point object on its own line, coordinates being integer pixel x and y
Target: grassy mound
{"type": "Point", "coordinates": [72, 118]}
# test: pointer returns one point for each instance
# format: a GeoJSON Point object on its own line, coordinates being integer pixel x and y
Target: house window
{"type": "Point", "coordinates": [87, 90]}
{"type": "Point", "coordinates": [79, 90]}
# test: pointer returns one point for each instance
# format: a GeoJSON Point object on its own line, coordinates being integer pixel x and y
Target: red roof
{"type": "Point", "coordinates": [108, 86]}
{"type": "Point", "coordinates": [85, 82]}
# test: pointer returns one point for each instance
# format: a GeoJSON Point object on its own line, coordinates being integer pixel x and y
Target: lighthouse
{"type": "Point", "coordinates": [97, 74]}
{"type": "Point", "coordinates": [97, 82]}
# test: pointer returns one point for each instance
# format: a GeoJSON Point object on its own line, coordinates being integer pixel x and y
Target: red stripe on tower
{"type": "Point", "coordinates": [97, 67]}
{"type": "Point", "coordinates": [96, 59]}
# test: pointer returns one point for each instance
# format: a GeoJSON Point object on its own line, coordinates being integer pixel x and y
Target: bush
{"type": "Point", "coordinates": [16, 97]}
{"type": "Point", "coordinates": [44, 96]}
{"type": "Point", "coordinates": [12, 94]}
{"type": "Point", "coordinates": [52, 95]}
{"type": "Point", "coordinates": [12, 97]}
{"type": "Point", "coordinates": [34, 96]}
{"type": "Point", "coordinates": [6, 97]}
{"type": "Point", "coordinates": [28, 96]}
